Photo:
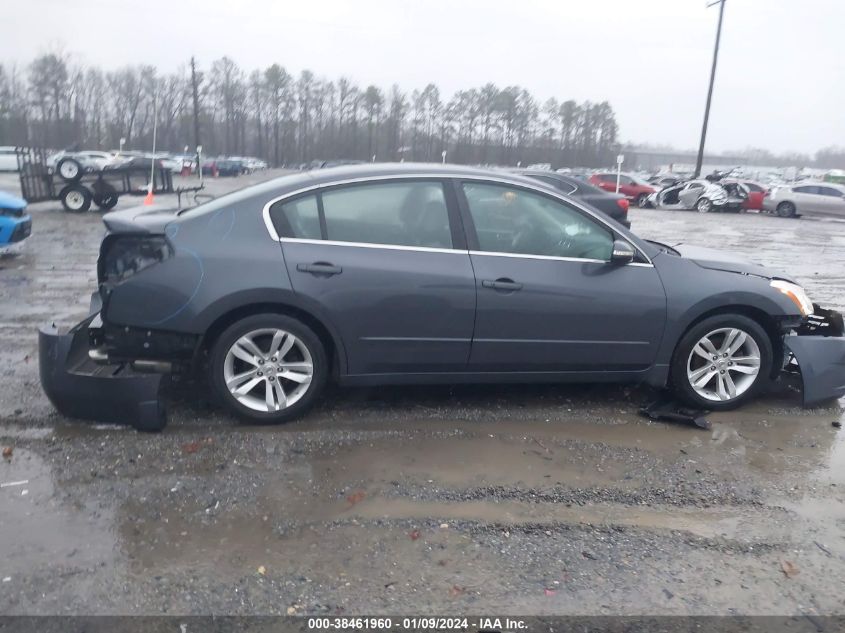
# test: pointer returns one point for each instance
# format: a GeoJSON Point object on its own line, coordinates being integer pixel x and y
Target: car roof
{"type": "Point", "coordinates": [290, 183]}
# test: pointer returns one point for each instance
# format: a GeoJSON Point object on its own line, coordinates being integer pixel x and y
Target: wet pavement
{"type": "Point", "coordinates": [523, 499]}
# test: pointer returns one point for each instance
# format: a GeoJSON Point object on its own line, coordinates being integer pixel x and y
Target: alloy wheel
{"type": "Point", "coordinates": [268, 369]}
{"type": "Point", "coordinates": [724, 364]}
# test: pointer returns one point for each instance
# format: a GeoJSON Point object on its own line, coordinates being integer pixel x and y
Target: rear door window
{"type": "Point", "coordinates": [830, 191]}
{"type": "Point", "coordinates": [391, 213]}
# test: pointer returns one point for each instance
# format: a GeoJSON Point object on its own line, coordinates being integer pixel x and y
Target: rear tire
{"type": "Point", "coordinates": [703, 205]}
{"type": "Point", "coordinates": [744, 370]}
{"type": "Point", "coordinates": [75, 198]}
{"type": "Point", "coordinates": [268, 368]}
{"type": "Point", "coordinates": [786, 210]}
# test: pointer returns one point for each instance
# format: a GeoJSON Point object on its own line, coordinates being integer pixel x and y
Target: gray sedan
{"type": "Point", "coordinates": [400, 274]}
{"type": "Point", "coordinates": [806, 198]}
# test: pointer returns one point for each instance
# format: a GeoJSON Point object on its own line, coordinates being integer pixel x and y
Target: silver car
{"type": "Point", "coordinates": [806, 198]}
{"type": "Point", "coordinates": [702, 195]}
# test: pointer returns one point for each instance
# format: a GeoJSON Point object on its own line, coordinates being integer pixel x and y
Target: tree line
{"type": "Point", "coordinates": [289, 119]}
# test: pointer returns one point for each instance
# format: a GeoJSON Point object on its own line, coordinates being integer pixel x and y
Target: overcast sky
{"type": "Point", "coordinates": [780, 82]}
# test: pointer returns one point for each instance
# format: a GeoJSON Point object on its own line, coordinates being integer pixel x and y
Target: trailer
{"type": "Point", "coordinates": [76, 185]}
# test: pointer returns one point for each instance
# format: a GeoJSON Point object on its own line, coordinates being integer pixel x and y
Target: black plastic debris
{"type": "Point", "coordinates": [667, 408]}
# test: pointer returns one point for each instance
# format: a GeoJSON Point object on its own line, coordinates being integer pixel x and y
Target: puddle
{"type": "Point", "coordinates": [474, 461]}
{"type": "Point", "coordinates": [47, 534]}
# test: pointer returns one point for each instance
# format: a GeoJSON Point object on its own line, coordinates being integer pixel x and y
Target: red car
{"type": "Point", "coordinates": [629, 186]}
{"type": "Point", "coordinates": [756, 193]}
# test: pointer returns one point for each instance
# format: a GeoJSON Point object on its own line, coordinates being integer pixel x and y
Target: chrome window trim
{"type": "Point", "coordinates": [556, 258]}
{"type": "Point", "coordinates": [427, 249]}
{"type": "Point", "coordinates": [393, 247]}
{"type": "Point", "coordinates": [607, 223]}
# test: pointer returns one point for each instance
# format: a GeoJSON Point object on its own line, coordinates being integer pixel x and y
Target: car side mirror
{"type": "Point", "coordinates": [623, 253]}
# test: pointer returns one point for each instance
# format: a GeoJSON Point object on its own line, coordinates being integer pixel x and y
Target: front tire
{"type": "Point", "coordinates": [721, 362]}
{"type": "Point", "coordinates": [268, 368]}
{"type": "Point", "coordinates": [642, 200]}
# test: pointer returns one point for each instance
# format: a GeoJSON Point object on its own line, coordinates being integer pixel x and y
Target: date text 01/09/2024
{"type": "Point", "coordinates": [417, 623]}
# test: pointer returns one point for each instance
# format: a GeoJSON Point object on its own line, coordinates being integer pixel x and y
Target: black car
{"type": "Point", "coordinates": [613, 205]}
{"type": "Point", "coordinates": [421, 274]}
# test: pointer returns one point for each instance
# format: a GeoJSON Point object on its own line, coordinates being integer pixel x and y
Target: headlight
{"type": "Point", "coordinates": [796, 293]}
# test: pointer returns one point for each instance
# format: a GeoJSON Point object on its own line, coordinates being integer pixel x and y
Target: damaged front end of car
{"type": "Point", "coordinates": [816, 351]}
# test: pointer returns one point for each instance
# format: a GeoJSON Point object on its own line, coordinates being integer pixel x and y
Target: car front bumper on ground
{"type": "Point", "coordinates": [819, 350]}
{"type": "Point", "coordinates": [80, 388]}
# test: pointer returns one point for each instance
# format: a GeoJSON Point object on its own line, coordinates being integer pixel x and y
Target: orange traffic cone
{"type": "Point", "coordinates": [148, 199]}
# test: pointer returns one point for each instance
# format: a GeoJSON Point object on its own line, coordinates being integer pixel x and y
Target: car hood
{"type": "Point", "coordinates": [726, 261]}
{"type": "Point", "coordinates": [141, 219]}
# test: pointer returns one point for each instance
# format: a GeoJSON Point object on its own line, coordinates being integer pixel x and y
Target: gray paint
{"type": "Point", "coordinates": [409, 315]}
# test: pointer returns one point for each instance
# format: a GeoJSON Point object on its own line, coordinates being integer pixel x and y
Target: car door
{"type": "Point", "coordinates": [548, 298]}
{"type": "Point", "coordinates": [689, 194]}
{"type": "Point", "coordinates": [385, 261]}
{"type": "Point", "coordinates": [807, 199]}
{"type": "Point", "coordinates": [833, 201]}
{"type": "Point", "coordinates": [607, 182]}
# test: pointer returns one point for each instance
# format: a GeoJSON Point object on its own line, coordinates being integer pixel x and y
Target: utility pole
{"type": "Point", "coordinates": [700, 159]}
{"type": "Point", "coordinates": [195, 89]}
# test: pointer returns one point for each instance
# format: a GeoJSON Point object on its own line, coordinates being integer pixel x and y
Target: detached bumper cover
{"type": "Point", "coordinates": [821, 360]}
{"type": "Point", "coordinates": [80, 388]}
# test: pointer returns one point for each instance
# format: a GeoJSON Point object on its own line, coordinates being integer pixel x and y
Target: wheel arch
{"type": "Point", "coordinates": [328, 336]}
{"type": "Point", "coordinates": [761, 317]}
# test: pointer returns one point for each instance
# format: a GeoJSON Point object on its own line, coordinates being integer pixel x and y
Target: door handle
{"type": "Point", "coordinates": [319, 268]}
{"type": "Point", "coordinates": [503, 283]}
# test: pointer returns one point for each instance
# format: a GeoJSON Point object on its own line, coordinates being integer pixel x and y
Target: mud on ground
{"type": "Point", "coordinates": [525, 499]}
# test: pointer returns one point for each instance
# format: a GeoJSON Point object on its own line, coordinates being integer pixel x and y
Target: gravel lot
{"type": "Point", "coordinates": [543, 500]}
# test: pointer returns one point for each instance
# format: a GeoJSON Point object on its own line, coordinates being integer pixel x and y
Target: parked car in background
{"type": "Point", "coordinates": [661, 181]}
{"type": "Point", "coordinates": [806, 198]}
{"type": "Point", "coordinates": [228, 167]}
{"type": "Point", "coordinates": [168, 162]}
{"type": "Point", "coordinates": [408, 273]}
{"type": "Point", "coordinates": [613, 205]}
{"type": "Point", "coordinates": [629, 186]}
{"type": "Point", "coordinates": [221, 167]}
{"type": "Point", "coordinates": [8, 158]}
{"type": "Point", "coordinates": [185, 161]}
{"type": "Point", "coordinates": [756, 193]}
{"type": "Point", "coordinates": [255, 164]}
{"type": "Point", "coordinates": [15, 223]}
{"type": "Point", "coordinates": [702, 195]}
